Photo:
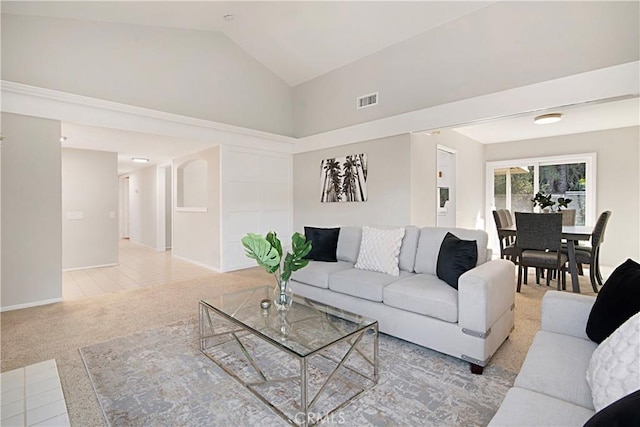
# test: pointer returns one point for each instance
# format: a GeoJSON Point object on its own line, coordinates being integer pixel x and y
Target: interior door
{"type": "Point", "coordinates": [446, 191]}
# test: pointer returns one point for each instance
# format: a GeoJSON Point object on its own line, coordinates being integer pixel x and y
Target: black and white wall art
{"type": "Point", "coordinates": [344, 179]}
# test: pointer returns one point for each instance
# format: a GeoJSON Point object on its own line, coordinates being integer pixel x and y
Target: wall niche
{"type": "Point", "coordinates": [191, 192]}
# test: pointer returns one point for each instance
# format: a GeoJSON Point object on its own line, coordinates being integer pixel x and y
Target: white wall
{"type": "Point", "coordinates": [617, 186]}
{"type": "Point", "coordinates": [469, 178]}
{"type": "Point", "coordinates": [502, 46]}
{"type": "Point", "coordinates": [388, 184]}
{"type": "Point", "coordinates": [196, 235]}
{"type": "Point", "coordinates": [469, 171]}
{"type": "Point", "coordinates": [256, 198]}
{"type": "Point", "coordinates": [31, 212]}
{"type": "Point", "coordinates": [90, 187]}
{"type": "Point", "coordinates": [123, 206]}
{"type": "Point", "coordinates": [423, 180]}
{"type": "Point", "coordinates": [168, 203]}
{"type": "Point", "coordinates": [198, 74]}
{"type": "Point", "coordinates": [143, 209]}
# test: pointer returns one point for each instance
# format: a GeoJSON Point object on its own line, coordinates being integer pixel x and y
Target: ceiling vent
{"type": "Point", "coordinates": [367, 100]}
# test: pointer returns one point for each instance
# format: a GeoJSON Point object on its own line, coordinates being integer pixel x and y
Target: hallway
{"type": "Point", "coordinates": [139, 267]}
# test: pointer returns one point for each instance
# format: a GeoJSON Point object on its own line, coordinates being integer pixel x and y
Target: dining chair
{"type": "Point", "coordinates": [507, 249]}
{"type": "Point", "coordinates": [538, 244]}
{"type": "Point", "coordinates": [568, 216]}
{"type": "Point", "coordinates": [590, 255]}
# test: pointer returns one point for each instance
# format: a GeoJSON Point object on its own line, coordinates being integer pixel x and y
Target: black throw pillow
{"type": "Point", "coordinates": [324, 243]}
{"type": "Point", "coordinates": [617, 301]}
{"type": "Point", "coordinates": [621, 413]}
{"type": "Point", "coordinates": [456, 257]}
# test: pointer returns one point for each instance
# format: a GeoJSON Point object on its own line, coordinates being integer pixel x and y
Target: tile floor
{"type": "Point", "coordinates": [139, 267]}
{"type": "Point", "coordinates": [32, 396]}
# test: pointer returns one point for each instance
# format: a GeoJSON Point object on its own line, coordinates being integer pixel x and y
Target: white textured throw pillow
{"type": "Point", "coordinates": [379, 250]}
{"type": "Point", "coordinates": [614, 368]}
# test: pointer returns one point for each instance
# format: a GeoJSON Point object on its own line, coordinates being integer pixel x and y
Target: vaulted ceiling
{"type": "Point", "coordinates": [297, 41]}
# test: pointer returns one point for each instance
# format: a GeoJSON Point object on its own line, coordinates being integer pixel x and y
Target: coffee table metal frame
{"type": "Point", "coordinates": [209, 314]}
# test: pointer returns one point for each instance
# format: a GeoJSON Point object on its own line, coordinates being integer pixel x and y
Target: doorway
{"type": "Point", "coordinates": [446, 187]}
{"type": "Point", "coordinates": [124, 207]}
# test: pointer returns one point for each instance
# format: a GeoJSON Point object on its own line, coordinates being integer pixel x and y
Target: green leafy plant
{"type": "Point", "coordinates": [267, 251]}
{"type": "Point", "coordinates": [542, 200]}
{"type": "Point", "coordinates": [562, 202]}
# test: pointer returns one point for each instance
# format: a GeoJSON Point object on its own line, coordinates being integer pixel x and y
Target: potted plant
{"type": "Point", "coordinates": [542, 200]}
{"type": "Point", "coordinates": [267, 251]}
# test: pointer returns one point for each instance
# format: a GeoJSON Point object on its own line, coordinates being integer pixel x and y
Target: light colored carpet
{"type": "Point", "coordinates": [57, 331]}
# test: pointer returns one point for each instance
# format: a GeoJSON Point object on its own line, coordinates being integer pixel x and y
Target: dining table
{"type": "Point", "coordinates": [572, 234]}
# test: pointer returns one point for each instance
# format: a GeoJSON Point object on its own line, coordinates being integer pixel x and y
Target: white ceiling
{"type": "Point", "coordinates": [577, 119]}
{"type": "Point", "coordinates": [298, 41]}
{"type": "Point", "coordinates": [158, 149]}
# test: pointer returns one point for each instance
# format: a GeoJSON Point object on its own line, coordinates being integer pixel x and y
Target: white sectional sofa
{"type": "Point", "coordinates": [551, 388]}
{"type": "Point", "coordinates": [469, 323]}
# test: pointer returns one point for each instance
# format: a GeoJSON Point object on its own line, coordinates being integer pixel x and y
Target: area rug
{"type": "Point", "coordinates": [159, 378]}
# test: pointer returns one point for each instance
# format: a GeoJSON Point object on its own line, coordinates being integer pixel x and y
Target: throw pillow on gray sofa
{"type": "Point", "coordinates": [617, 301]}
{"type": "Point", "coordinates": [324, 243]}
{"type": "Point", "coordinates": [456, 257]}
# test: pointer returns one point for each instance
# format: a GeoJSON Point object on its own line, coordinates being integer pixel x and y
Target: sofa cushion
{"type": "Point", "coordinates": [380, 250]}
{"type": "Point", "coordinates": [614, 367]}
{"type": "Point", "coordinates": [455, 258]}
{"type": "Point", "coordinates": [621, 413]}
{"type": "Point", "coordinates": [407, 258]}
{"type": "Point", "coordinates": [349, 244]}
{"type": "Point", "coordinates": [324, 242]}
{"type": "Point", "coordinates": [423, 294]}
{"type": "Point", "coordinates": [362, 283]}
{"type": "Point", "coordinates": [618, 300]}
{"type": "Point", "coordinates": [555, 365]}
{"type": "Point", "coordinates": [522, 407]}
{"type": "Point", "coordinates": [429, 246]}
{"type": "Point", "coordinates": [316, 273]}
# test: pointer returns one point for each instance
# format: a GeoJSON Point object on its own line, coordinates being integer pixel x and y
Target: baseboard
{"type": "Point", "coordinates": [30, 304]}
{"type": "Point", "coordinates": [199, 264]}
{"type": "Point", "coordinates": [90, 266]}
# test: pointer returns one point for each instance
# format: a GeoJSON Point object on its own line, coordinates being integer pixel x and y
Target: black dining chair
{"type": "Point", "coordinates": [590, 255]}
{"type": "Point", "coordinates": [538, 244]}
{"type": "Point", "coordinates": [507, 249]}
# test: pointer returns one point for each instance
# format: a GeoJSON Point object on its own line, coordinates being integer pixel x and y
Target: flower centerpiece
{"type": "Point", "coordinates": [267, 251]}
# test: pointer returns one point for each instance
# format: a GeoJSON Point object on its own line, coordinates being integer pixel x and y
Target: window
{"type": "Point", "coordinates": [513, 183]}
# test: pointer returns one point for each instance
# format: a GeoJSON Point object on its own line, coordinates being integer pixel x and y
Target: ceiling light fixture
{"type": "Point", "coordinates": [229, 17]}
{"type": "Point", "coordinates": [139, 159]}
{"type": "Point", "coordinates": [545, 119]}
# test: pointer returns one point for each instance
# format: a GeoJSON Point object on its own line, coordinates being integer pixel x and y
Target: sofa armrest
{"type": "Point", "coordinates": [485, 293]}
{"type": "Point", "coordinates": [566, 313]}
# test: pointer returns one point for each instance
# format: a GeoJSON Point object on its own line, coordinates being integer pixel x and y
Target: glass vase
{"type": "Point", "coordinates": [282, 296]}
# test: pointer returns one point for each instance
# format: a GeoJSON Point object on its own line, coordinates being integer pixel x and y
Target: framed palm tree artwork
{"type": "Point", "coordinates": [344, 179]}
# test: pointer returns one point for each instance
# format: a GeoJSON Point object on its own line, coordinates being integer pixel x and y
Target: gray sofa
{"type": "Point", "coordinates": [551, 388]}
{"type": "Point", "coordinates": [469, 323]}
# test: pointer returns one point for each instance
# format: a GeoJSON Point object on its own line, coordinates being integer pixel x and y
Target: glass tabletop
{"type": "Point", "coordinates": [308, 326]}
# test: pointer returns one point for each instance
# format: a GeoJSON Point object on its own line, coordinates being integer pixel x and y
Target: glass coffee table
{"type": "Point", "coordinates": [306, 366]}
